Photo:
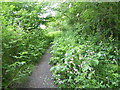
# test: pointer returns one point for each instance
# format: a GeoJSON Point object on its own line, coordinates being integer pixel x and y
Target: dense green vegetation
{"type": "Point", "coordinates": [86, 54]}
{"type": "Point", "coordinates": [84, 38]}
{"type": "Point", "coordinates": [23, 42]}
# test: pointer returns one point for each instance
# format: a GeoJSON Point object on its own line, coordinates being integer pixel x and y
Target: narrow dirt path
{"type": "Point", "coordinates": [41, 76]}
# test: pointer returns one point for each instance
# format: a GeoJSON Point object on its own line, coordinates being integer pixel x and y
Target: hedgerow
{"type": "Point", "coordinates": [83, 64]}
{"type": "Point", "coordinates": [23, 41]}
{"type": "Point", "coordinates": [86, 54]}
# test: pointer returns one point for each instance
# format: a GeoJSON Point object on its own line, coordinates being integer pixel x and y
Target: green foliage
{"type": "Point", "coordinates": [54, 34]}
{"type": "Point", "coordinates": [93, 17]}
{"type": "Point", "coordinates": [85, 49]}
{"type": "Point", "coordinates": [86, 54]}
{"type": "Point", "coordinates": [83, 64]}
{"type": "Point", "coordinates": [23, 42]}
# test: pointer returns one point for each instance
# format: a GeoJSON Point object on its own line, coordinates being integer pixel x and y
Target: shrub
{"type": "Point", "coordinates": [80, 63]}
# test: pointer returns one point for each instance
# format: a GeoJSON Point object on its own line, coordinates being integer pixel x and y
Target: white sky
{"type": "Point", "coordinates": [49, 10]}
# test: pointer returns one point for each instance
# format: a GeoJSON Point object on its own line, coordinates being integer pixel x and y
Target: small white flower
{"type": "Point", "coordinates": [73, 55]}
{"type": "Point", "coordinates": [81, 65]}
{"type": "Point", "coordinates": [92, 52]}
{"type": "Point", "coordinates": [71, 62]}
{"type": "Point", "coordinates": [78, 51]}
{"type": "Point", "coordinates": [65, 54]}
{"type": "Point", "coordinates": [103, 54]}
{"type": "Point", "coordinates": [75, 69]}
{"type": "Point", "coordinates": [80, 58]}
{"type": "Point", "coordinates": [113, 59]}
{"type": "Point", "coordinates": [85, 55]}
{"type": "Point", "coordinates": [71, 59]}
{"type": "Point", "coordinates": [66, 62]}
{"type": "Point", "coordinates": [77, 14]}
{"type": "Point", "coordinates": [58, 74]}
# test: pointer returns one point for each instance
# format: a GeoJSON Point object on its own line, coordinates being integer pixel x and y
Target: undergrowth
{"type": "Point", "coordinates": [80, 62]}
{"type": "Point", "coordinates": [23, 42]}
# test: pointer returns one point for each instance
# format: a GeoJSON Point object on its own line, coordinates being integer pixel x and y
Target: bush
{"type": "Point", "coordinates": [23, 43]}
{"type": "Point", "coordinates": [79, 63]}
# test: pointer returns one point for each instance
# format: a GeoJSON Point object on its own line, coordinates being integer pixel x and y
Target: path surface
{"type": "Point", "coordinates": [41, 76]}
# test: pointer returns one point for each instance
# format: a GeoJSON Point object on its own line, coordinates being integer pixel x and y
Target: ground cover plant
{"type": "Point", "coordinates": [84, 64]}
{"type": "Point", "coordinates": [86, 54]}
